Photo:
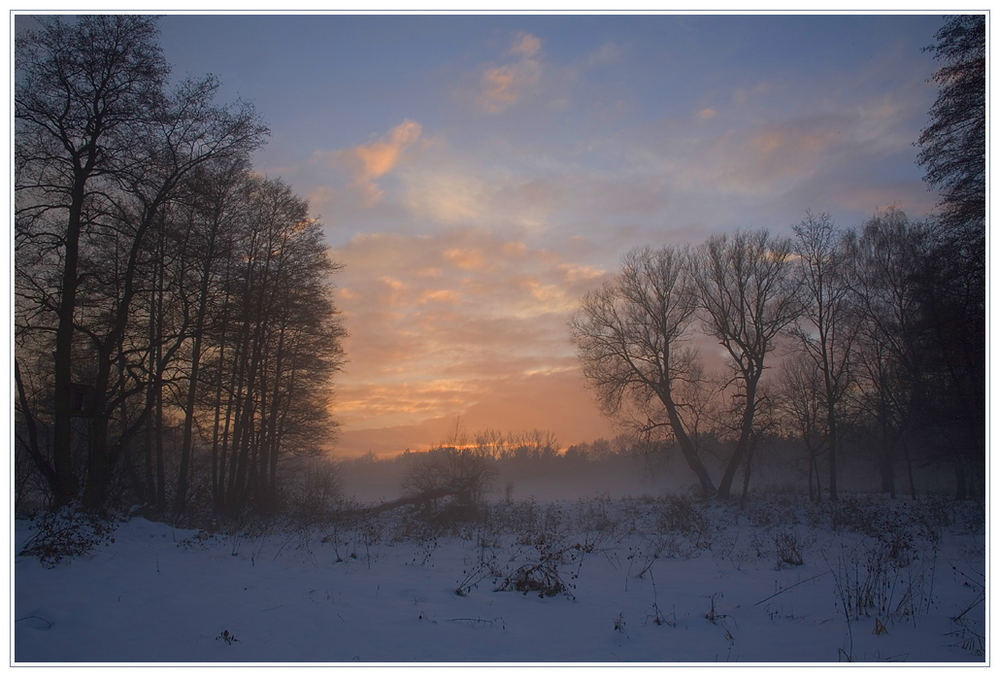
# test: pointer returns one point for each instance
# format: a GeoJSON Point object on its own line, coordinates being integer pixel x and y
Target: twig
{"type": "Point", "coordinates": [784, 590]}
{"type": "Point", "coordinates": [980, 598]}
{"type": "Point", "coordinates": [470, 620]}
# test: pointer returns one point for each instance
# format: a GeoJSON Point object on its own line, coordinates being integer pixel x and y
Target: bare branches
{"type": "Point", "coordinates": [630, 336]}
{"type": "Point", "coordinates": [748, 298]}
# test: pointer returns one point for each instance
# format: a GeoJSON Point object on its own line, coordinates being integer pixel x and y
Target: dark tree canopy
{"type": "Point", "coordinates": [953, 146]}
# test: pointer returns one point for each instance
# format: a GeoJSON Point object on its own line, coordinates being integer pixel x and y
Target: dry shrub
{"type": "Point", "coordinates": [788, 549]}
{"type": "Point", "coordinates": [65, 534]}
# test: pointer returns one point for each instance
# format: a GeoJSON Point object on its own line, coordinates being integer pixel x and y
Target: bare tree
{"type": "Point", "coordinates": [81, 88]}
{"type": "Point", "coordinates": [748, 297]}
{"type": "Point", "coordinates": [631, 336]}
{"type": "Point", "coordinates": [800, 400]}
{"type": "Point", "coordinates": [886, 258]}
{"type": "Point", "coordinates": [167, 281]}
{"type": "Point", "coordinates": [278, 345]}
{"type": "Point", "coordinates": [827, 327]}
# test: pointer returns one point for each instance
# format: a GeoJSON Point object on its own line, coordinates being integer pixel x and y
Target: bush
{"type": "Point", "coordinates": [874, 580]}
{"type": "Point", "coordinates": [788, 549]}
{"type": "Point", "coordinates": [449, 473]}
{"type": "Point", "coordinates": [67, 533]}
{"type": "Point", "coordinates": [680, 516]}
{"type": "Point", "coordinates": [542, 574]}
{"type": "Point", "coordinates": [312, 489]}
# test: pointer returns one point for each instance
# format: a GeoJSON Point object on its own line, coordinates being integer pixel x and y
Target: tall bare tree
{"type": "Point", "coordinates": [827, 326]}
{"type": "Point", "coordinates": [800, 399]}
{"type": "Point", "coordinates": [103, 151]}
{"type": "Point", "coordinates": [885, 260]}
{"type": "Point", "coordinates": [748, 297]}
{"type": "Point", "coordinates": [631, 336]}
{"type": "Point", "coordinates": [81, 88]}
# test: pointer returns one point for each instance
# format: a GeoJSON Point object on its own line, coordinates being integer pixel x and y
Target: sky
{"type": "Point", "coordinates": [476, 175]}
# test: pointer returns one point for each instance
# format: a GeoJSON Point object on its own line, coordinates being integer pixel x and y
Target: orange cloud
{"type": "Point", "coordinates": [525, 44]}
{"type": "Point", "coordinates": [514, 248]}
{"type": "Point", "coordinates": [577, 273]}
{"type": "Point", "coordinates": [503, 86]}
{"type": "Point", "coordinates": [370, 161]}
{"type": "Point", "coordinates": [499, 89]}
{"type": "Point", "coordinates": [439, 320]}
{"type": "Point", "coordinates": [707, 113]}
{"type": "Point", "coordinates": [765, 159]}
{"type": "Point", "coordinates": [439, 296]}
{"type": "Point", "coordinates": [466, 259]}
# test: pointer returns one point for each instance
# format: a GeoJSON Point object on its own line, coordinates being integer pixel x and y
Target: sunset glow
{"type": "Point", "coordinates": [476, 175]}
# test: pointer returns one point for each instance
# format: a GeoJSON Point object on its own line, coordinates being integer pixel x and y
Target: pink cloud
{"type": "Point", "coordinates": [466, 259]}
{"type": "Point", "coordinates": [368, 162]}
{"type": "Point", "coordinates": [502, 86]}
{"type": "Point", "coordinates": [525, 44]}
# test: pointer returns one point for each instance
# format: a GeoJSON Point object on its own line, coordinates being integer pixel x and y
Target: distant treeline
{"type": "Point", "coordinates": [490, 465]}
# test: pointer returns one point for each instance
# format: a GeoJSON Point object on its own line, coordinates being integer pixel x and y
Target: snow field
{"type": "Point", "coordinates": [601, 580]}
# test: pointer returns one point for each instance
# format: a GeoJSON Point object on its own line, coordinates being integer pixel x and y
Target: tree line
{"type": "Point", "coordinates": [882, 327]}
{"type": "Point", "coordinates": [175, 332]}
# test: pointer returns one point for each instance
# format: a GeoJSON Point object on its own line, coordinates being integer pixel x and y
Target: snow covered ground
{"type": "Point", "coordinates": [600, 580]}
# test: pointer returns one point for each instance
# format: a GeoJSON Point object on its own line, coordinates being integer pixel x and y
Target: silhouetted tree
{"type": "Point", "coordinates": [168, 282]}
{"type": "Point", "coordinates": [886, 259]}
{"type": "Point", "coordinates": [827, 327]}
{"type": "Point", "coordinates": [749, 296]}
{"type": "Point", "coordinates": [447, 472]}
{"type": "Point", "coordinates": [278, 342]}
{"type": "Point", "coordinates": [950, 390]}
{"type": "Point", "coordinates": [952, 283]}
{"type": "Point", "coordinates": [630, 335]}
{"type": "Point", "coordinates": [83, 89]}
{"type": "Point", "coordinates": [800, 399]}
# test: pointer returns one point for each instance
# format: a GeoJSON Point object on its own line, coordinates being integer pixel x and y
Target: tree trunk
{"type": "Point", "coordinates": [687, 446]}
{"type": "Point", "coordinates": [62, 442]}
{"type": "Point", "coordinates": [746, 476]}
{"type": "Point", "coordinates": [98, 470]}
{"type": "Point", "coordinates": [34, 451]}
{"type": "Point", "coordinates": [832, 444]}
{"type": "Point", "coordinates": [746, 436]}
{"type": "Point", "coordinates": [199, 327]}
